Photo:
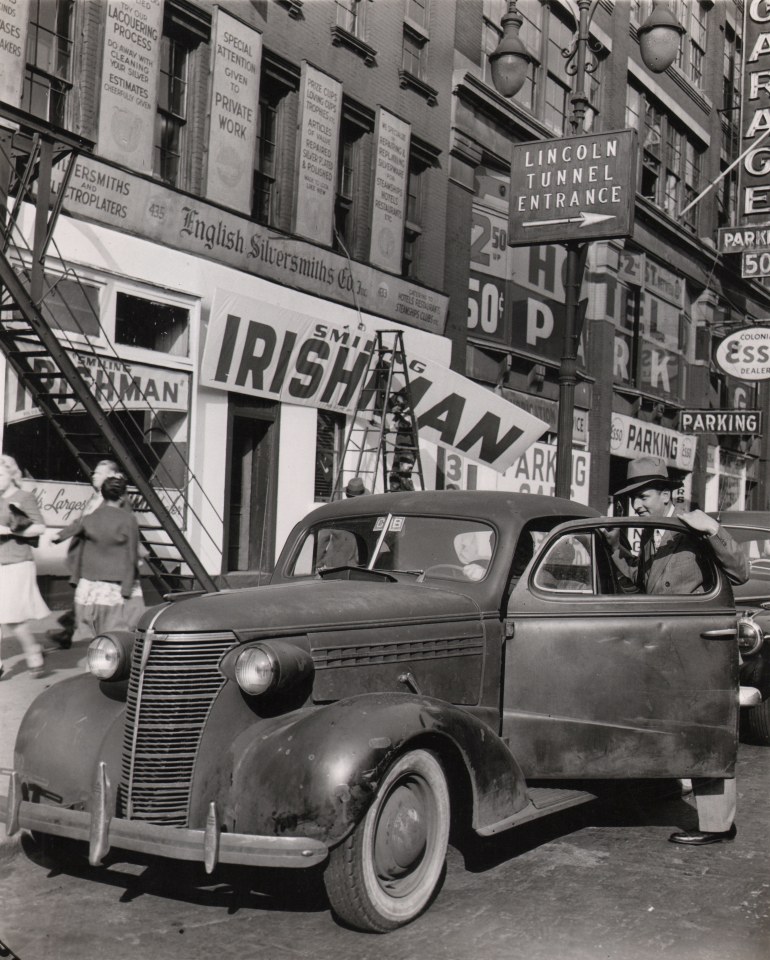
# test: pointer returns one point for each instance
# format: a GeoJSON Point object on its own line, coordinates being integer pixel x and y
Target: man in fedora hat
{"type": "Point", "coordinates": [667, 563]}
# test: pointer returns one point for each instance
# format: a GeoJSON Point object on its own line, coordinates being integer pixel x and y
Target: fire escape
{"type": "Point", "coordinates": [32, 154]}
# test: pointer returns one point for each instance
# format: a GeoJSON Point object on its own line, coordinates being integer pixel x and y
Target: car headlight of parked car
{"type": "Point", "coordinates": [268, 667]}
{"type": "Point", "coordinates": [109, 655]}
{"type": "Point", "coordinates": [750, 635]}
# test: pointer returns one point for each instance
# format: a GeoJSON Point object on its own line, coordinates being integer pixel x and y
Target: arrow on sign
{"type": "Point", "coordinates": [584, 219]}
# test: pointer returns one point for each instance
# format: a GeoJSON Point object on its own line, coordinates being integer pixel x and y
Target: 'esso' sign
{"type": "Point", "coordinates": [746, 354]}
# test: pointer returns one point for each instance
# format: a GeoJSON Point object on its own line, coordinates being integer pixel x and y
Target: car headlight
{"type": "Point", "coordinates": [268, 667]}
{"type": "Point", "coordinates": [255, 670]}
{"type": "Point", "coordinates": [750, 636]}
{"type": "Point", "coordinates": [108, 658]}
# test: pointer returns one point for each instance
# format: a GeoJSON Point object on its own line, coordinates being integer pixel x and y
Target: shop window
{"type": "Point", "coordinates": [692, 15]}
{"type": "Point", "coordinates": [353, 156]}
{"type": "Point", "coordinates": [264, 199]}
{"type": "Point", "coordinates": [653, 343]}
{"type": "Point", "coordinates": [671, 168]}
{"type": "Point", "coordinates": [730, 123]}
{"type": "Point", "coordinates": [151, 325]}
{"type": "Point", "coordinates": [330, 433]}
{"type": "Point", "coordinates": [71, 306]}
{"type": "Point", "coordinates": [413, 225]}
{"type": "Point", "coordinates": [414, 50]}
{"type": "Point", "coordinates": [184, 28]}
{"type": "Point", "coordinates": [48, 76]}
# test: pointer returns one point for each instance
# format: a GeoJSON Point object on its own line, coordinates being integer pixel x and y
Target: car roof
{"type": "Point", "coordinates": [495, 506]}
{"type": "Point", "coordinates": [742, 518]}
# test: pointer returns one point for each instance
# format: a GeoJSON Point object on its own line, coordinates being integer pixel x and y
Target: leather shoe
{"type": "Point", "coordinates": [698, 838]}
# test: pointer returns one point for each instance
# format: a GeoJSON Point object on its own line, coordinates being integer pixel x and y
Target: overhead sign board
{"type": "Point", "coordinates": [755, 263]}
{"type": "Point", "coordinates": [264, 350]}
{"type": "Point", "coordinates": [745, 354]}
{"type": "Point", "coordinates": [573, 189]}
{"type": "Point", "coordinates": [737, 422]}
{"type": "Point", "coordinates": [740, 239]}
{"type": "Point", "coordinates": [754, 183]}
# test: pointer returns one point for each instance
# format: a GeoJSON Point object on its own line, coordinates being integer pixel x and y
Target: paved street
{"type": "Point", "coordinates": [595, 882]}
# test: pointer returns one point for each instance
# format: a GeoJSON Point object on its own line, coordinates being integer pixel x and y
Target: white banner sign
{"type": "Point", "coordinates": [115, 383]}
{"type": "Point", "coordinates": [234, 112]}
{"type": "Point", "coordinates": [533, 472]}
{"type": "Point", "coordinates": [14, 17]}
{"type": "Point", "coordinates": [391, 175]}
{"type": "Point", "coordinates": [320, 109]}
{"type": "Point", "coordinates": [265, 350]}
{"type": "Point", "coordinates": [129, 82]}
{"type": "Point", "coordinates": [636, 438]}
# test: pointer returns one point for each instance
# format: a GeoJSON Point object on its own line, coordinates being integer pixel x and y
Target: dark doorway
{"type": "Point", "coordinates": [252, 467]}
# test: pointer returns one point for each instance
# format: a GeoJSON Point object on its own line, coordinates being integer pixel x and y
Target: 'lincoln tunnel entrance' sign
{"type": "Point", "coordinates": [573, 189]}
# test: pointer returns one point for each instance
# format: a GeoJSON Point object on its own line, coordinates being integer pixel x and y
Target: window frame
{"type": "Point", "coordinates": [51, 77]}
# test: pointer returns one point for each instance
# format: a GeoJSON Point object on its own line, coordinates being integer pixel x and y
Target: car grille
{"type": "Point", "coordinates": [170, 692]}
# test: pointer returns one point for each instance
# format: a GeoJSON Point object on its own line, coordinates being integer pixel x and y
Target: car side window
{"type": "Point", "coordinates": [657, 561]}
{"type": "Point", "coordinates": [567, 565]}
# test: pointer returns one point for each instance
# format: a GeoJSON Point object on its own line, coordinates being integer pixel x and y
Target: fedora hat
{"type": "Point", "coordinates": [355, 488]}
{"type": "Point", "coordinates": [647, 472]}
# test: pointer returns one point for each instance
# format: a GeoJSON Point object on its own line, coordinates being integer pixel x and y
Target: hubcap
{"type": "Point", "coordinates": [402, 832]}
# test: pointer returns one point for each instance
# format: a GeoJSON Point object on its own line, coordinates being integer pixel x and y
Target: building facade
{"type": "Point", "coordinates": [654, 304]}
{"type": "Point", "coordinates": [265, 174]}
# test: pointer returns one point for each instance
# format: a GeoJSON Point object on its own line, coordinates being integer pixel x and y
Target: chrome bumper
{"type": "Point", "coordinates": [101, 831]}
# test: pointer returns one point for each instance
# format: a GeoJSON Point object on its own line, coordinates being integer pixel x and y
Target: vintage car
{"type": "Point", "coordinates": [417, 660]}
{"type": "Point", "coordinates": [751, 528]}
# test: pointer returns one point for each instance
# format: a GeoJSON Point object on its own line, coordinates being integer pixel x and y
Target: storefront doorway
{"type": "Point", "coordinates": [252, 464]}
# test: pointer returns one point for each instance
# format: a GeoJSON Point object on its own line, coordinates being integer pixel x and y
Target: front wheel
{"type": "Point", "coordinates": [388, 869]}
{"type": "Point", "coordinates": [755, 723]}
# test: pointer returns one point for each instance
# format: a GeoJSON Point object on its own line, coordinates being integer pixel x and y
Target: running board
{"type": "Point", "coordinates": [542, 801]}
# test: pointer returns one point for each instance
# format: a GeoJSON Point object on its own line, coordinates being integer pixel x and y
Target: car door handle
{"type": "Point", "coordinates": [722, 634]}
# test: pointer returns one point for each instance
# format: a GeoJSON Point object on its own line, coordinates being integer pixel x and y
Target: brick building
{"type": "Point", "coordinates": [252, 170]}
{"type": "Point", "coordinates": [655, 304]}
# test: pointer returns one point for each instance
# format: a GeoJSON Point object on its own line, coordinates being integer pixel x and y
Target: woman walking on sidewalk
{"type": "Point", "coordinates": [20, 601]}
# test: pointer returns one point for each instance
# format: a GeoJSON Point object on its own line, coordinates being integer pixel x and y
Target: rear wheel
{"type": "Point", "coordinates": [386, 872]}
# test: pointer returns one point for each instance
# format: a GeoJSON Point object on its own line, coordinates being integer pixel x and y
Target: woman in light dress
{"type": "Point", "coordinates": [20, 601]}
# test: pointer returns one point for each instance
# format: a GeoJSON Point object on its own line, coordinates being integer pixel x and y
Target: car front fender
{"type": "Point", "coordinates": [64, 734]}
{"type": "Point", "coordinates": [317, 775]}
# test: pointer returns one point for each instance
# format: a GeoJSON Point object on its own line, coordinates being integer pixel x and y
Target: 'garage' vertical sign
{"type": "Point", "coordinates": [755, 127]}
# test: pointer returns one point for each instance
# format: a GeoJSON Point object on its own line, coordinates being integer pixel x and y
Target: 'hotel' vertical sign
{"type": "Point", "coordinates": [755, 170]}
{"type": "Point", "coordinates": [319, 124]}
{"type": "Point", "coordinates": [391, 174]}
{"type": "Point", "coordinates": [129, 85]}
{"type": "Point", "coordinates": [234, 109]}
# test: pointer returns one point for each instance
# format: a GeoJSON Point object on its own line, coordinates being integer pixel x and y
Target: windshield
{"type": "Point", "coordinates": [443, 548]}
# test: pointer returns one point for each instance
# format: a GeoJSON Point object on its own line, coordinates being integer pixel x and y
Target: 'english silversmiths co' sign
{"type": "Point", "coordinates": [573, 189]}
{"type": "Point", "coordinates": [745, 354]}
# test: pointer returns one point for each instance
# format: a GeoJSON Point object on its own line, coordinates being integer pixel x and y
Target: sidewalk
{"type": "Point", "coordinates": [18, 688]}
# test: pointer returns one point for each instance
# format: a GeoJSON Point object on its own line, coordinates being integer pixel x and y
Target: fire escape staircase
{"type": "Point", "coordinates": [38, 358]}
{"type": "Point", "coordinates": [382, 439]}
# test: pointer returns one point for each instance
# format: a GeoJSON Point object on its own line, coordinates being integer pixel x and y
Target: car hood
{"type": "Point", "coordinates": [287, 609]}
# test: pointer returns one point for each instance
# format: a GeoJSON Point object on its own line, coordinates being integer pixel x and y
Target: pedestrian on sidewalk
{"type": "Point", "coordinates": [108, 595]}
{"type": "Point", "coordinates": [21, 523]}
{"type": "Point", "coordinates": [68, 620]}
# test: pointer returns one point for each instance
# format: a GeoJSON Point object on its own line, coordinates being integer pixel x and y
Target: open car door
{"type": "Point", "coordinates": [602, 680]}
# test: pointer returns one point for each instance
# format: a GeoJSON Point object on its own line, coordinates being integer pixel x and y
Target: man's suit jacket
{"type": "Point", "coordinates": [673, 567]}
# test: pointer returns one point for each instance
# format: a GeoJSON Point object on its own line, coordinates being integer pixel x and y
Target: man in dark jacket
{"type": "Point", "coordinates": [667, 563]}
